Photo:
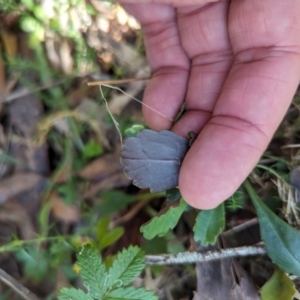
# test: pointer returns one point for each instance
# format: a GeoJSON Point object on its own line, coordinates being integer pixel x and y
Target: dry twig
{"type": "Point", "coordinates": [196, 257]}
{"type": "Point", "coordinates": [16, 286]}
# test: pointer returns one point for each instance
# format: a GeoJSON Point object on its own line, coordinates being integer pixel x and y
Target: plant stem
{"type": "Point", "coordinates": [14, 245]}
{"type": "Point", "coordinates": [196, 257]}
{"type": "Point", "coordinates": [16, 286]}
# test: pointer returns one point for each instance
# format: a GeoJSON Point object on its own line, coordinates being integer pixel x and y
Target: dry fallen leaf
{"type": "Point", "coordinates": [102, 167]}
{"type": "Point", "coordinates": [19, 183]}
{"type": "Point", "coordinates": [103, 173]}
{"type": "Point", "coordinates": [24, 115]}
{"type": "Point", "coordinates": [117, 180]}
{"type": "Point", "coordinates": [13, 212]}
{"type": "Point", "coordinates": [68, 213]}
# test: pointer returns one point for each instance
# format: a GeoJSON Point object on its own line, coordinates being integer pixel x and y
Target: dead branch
{"type": "Point", "coordinates": [17, 286]}
{"type": "Point", "coordinates": [197, 257]}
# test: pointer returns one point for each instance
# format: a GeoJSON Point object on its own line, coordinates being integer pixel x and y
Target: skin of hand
{"type": "Point", "coordinates": [236, 65]}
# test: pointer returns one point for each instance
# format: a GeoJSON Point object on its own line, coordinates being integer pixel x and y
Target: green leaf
{"type": "Point", "coordinates": [133, 130]}
{"type": "Point", "coordinates": [113, 201]}
{"type": "Point", "coordinates": [29, 4]}
{"type": "Point", "coordinates": [160, 225]}
{"type": "Point", "coordinates": [105, 238]}
{"type": "Point", "coordinates": [279, 286]}
{"type": "Point", "coordinates": [7, 159]}
{"type": "Point", "coordinates": [156, 246]}
{"type": "Point", "coordinates": [281, 240]}
{"type": "Point", "coordinates": [109, 259]}
{"type": "Point", "coordinates": [111, 237]}
{"type": "Point", "coordinates": [30, 24]}
{"type": "Point", "coordinates": [73, 294]}
{"type": "Point", "coordinates": [130, 293]}
{"type": "Point", "coordinates": [102, 227]}
{"type": "Point", "coordinates": [92, 271]}
{"type": "Point", "coordinates": [174, 245]}
{"type": "Point", "coordinates": [35, 262]}
{"type": "Point", "coordinates": [209, 224]}
{"type": "Point", "coordinates": [92, 149]}
{"type": "Point", "coordinates": [173, 194]}
{"type": "Point", "coordinates": [112, 286]}
{"type": "Point", "coordinates": [126, 267]}
{"type": "Point", "coordinates": [69, 191]}
{"type": "Point", "coordinates": [236, 201]}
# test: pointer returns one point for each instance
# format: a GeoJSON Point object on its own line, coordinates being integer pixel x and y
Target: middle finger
{"type": "Point", "coordinates": [204, 36]}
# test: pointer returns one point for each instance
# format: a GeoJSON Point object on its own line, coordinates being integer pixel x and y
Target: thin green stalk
{"type": "Point", "coordinates": [20, 243]}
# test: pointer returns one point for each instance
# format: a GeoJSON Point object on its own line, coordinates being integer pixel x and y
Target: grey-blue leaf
{"type": "Point", "coordinates": [152, 159]}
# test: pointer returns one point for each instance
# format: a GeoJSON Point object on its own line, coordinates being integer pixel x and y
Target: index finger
{"type": "Point", "coordinates": [169, 64]}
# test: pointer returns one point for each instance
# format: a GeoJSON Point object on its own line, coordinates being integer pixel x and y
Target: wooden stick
{"type": "Point", "coordinates": [17, 286]}
{"type": "Point", "coordinates": [197, 257]}
{"type": "Point", "coordinates": [116, 81]}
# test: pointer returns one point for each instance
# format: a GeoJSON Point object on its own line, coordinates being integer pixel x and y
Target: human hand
{"type": "Point", "coordinates": [236, 65]}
